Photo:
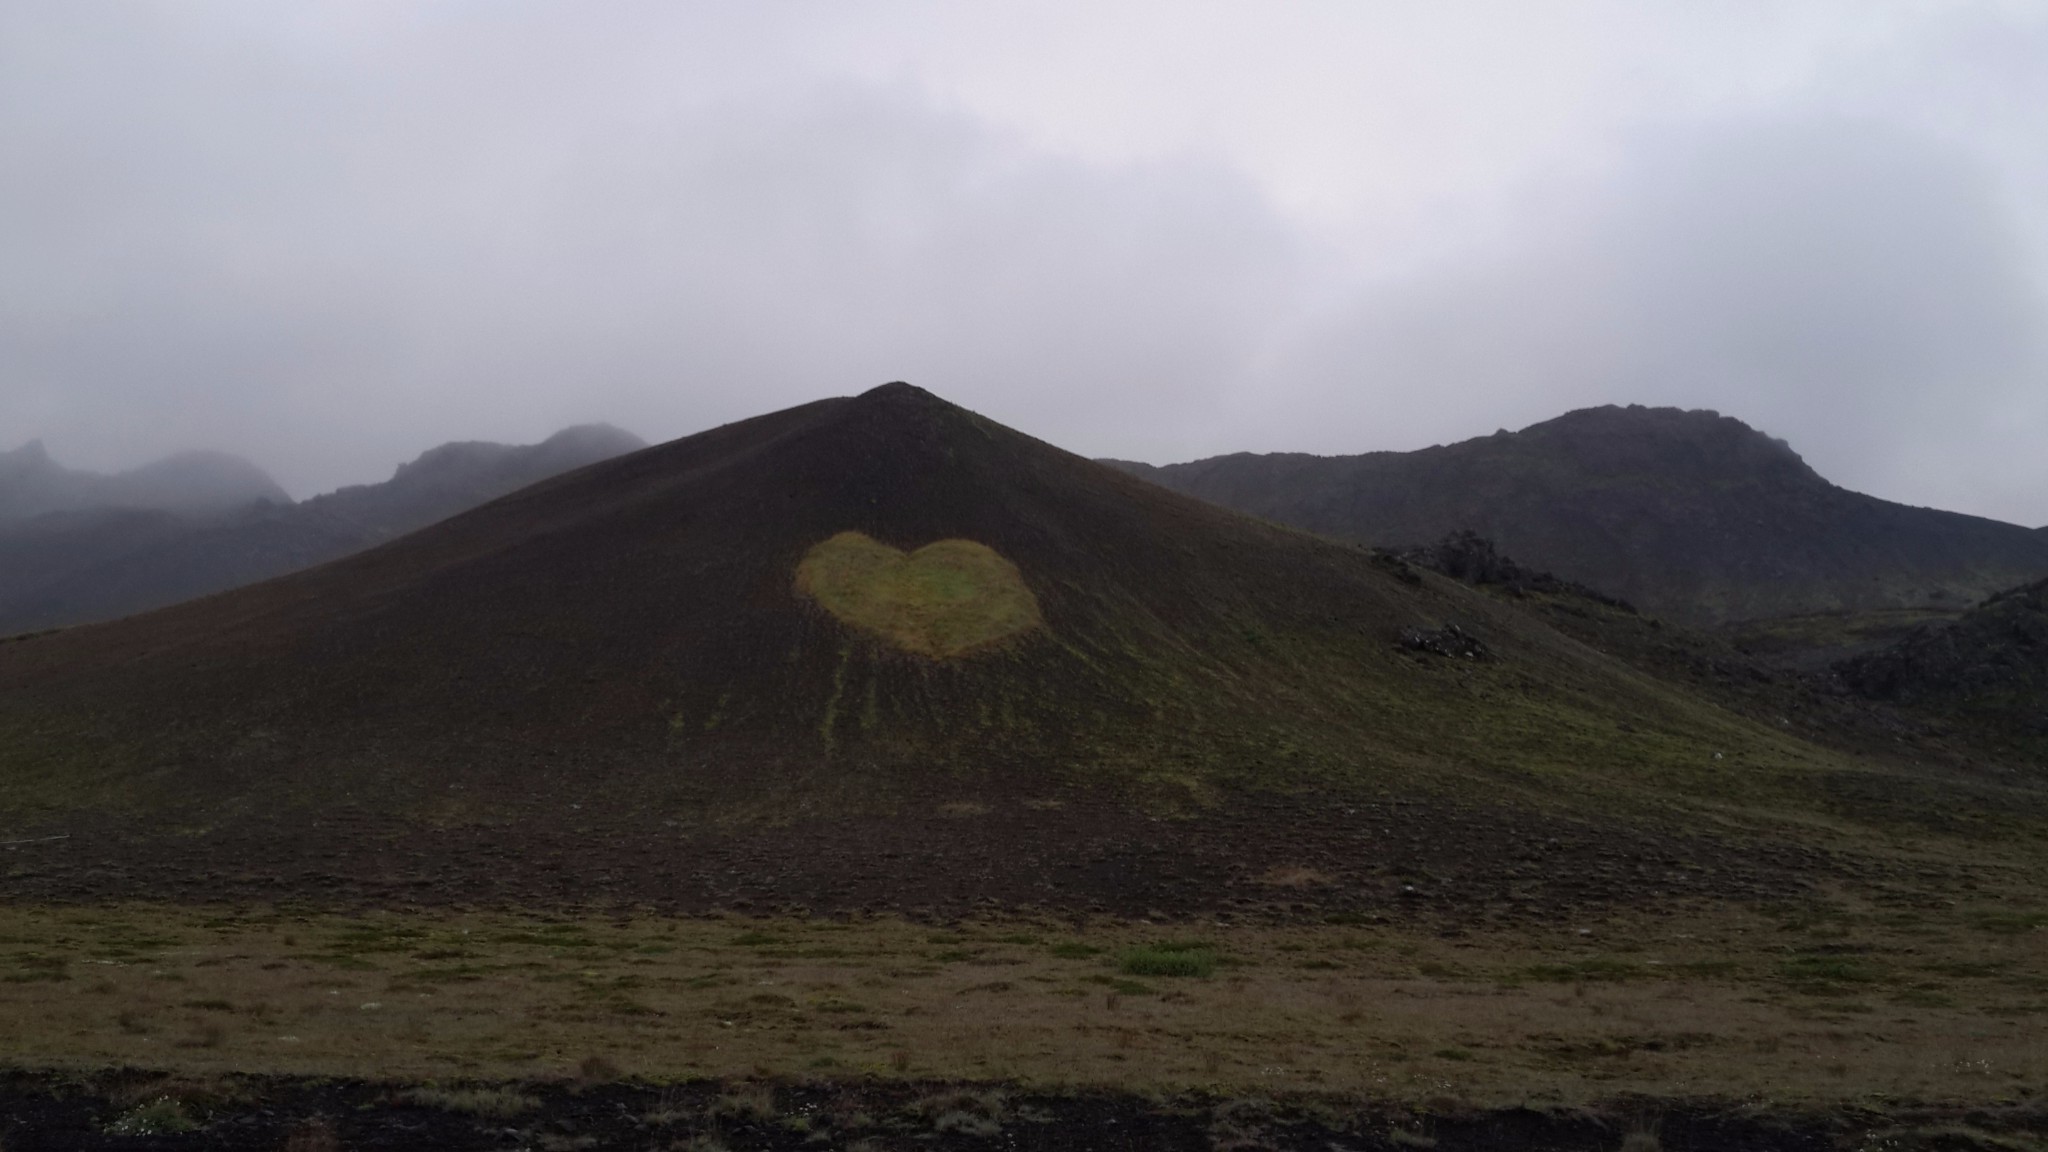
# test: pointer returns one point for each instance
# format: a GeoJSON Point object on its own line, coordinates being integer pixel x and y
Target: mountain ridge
{"type": "Point", "coordinates": [190, 483]}
{"type": "Point", "coordinates": [78, 565]}
{"type": "Point", "coordinates": [1690, 514]}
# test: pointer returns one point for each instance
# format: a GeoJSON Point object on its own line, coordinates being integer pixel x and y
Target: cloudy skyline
{"type": "Point", "coordinates": [328, 236]}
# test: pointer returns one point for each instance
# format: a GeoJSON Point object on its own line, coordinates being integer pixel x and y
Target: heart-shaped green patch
{"type": "Point", "coordinates": [944, 599]}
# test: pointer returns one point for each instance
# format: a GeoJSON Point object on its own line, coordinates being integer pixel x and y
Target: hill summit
{"type": "Point", "coordinates": [1692, 515]}
{"type": "Point", "coordinates": [870, 648]}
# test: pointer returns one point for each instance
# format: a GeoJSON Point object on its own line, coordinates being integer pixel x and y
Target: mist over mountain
{"type": "Point", "coordinates": [99, 557]}
{"type": "Point", "coordinates": [459, 476]}
{"type": "Point", "coordinates": [191, 483]}
{"type": "Point", "coordinates": [1689, 514]}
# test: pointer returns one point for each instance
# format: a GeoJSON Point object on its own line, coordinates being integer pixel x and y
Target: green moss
{"type": "Point", "coordinates": [2007, 923]}
{"type": "Point", "coordinates": [1169, 958]}
{"type": "Point", "coordinates": [1596, 968]}
{"type": "Point", "coordinates": [945, 599]}
{"type": "Point", "coordinates": [832, 702]}
{"type": "Point", "coordinates": [1823, 973]}
{"type": "Point", "coordinates": [488, 1103]}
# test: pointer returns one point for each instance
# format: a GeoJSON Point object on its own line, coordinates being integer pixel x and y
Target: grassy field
{"type": "Point", "coordinates": [1825, 1003]}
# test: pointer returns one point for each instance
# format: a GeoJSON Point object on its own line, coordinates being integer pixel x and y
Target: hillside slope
{"type": "Point", "coordinates": [701, 673]}
{"type": "Point", "coordinates": [1988, 668]}
{"type": "Point", "coordinates": [1688, 514]}
{"type": "Point", "coordinates": [105, 561]}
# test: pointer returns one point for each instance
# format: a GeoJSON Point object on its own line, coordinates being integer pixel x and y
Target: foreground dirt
{"type": "Point", "coordinates": [142, 1110]}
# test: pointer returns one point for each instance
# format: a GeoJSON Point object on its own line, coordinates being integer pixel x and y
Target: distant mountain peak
{"type": "Point", "coordinates": [195, 482]}
{"type": "Point", "coordinates": [1638, 436]}
{"type": "Point", "coordinates": [1688, 512]}
{"type": "Point", "coordinates": [606, 436]}
{"type": "Point", "coordinates": [30, 453]}
{"type": "Point", "coordinates": [76, 547]}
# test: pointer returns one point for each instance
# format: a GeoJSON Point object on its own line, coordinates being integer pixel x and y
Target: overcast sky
{"type": "Point", "coordinates": [328, 236]}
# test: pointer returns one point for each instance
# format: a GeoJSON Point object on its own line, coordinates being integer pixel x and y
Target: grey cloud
{"type": "Point", "coordinates": [1855, 288]}
{"type": "Point", "coordinates": [1858, 288]}
{"type": "Point", "coordinates": [383, 285]}
{"type": "Point", "coordinates": [329, 237]}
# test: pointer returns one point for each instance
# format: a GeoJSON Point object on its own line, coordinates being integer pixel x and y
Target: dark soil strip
{"type": "Point", "coordinates": [1371, 857]}
{"type": "Point", "coordinates": [138, 1110]}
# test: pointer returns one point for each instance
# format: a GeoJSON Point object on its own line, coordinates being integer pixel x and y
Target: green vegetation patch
{"type": "Point", "coordinates": [486, 1102]}
{"type": "Point", "coordinates": [163, 1116]}
{"type": "Point", "coordinates": [2007, 923]}
{"type": "Point", "coordinates": [945, 599]}
{"type": "Point", "coordinates": [1826, 974]}
{"type": "Point", "coordinates": [34, 967]}
{"type": "Point", "coordinates": [1169, 958]}
{"type": "Point", "coordinates": [1591, 968]}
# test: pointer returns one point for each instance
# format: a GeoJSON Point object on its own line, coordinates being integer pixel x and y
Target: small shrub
{"type": "Point", "coordinates": [1641, 1140]}
{"type": "Point", "coordinates": [754, 1103]}
{"type": "Point", "coordinates": [969, 1113]}
{"type": "Point", "coordinates": [488, 1103]}
{"type": "Point", "coordinates": [670, 1107]}
{"type": "Point", "coordinates": [163, 1116]}
{"type": "Point", "coordinates": [1170, 958]}
{"type": "Point", "coordinates": [1243, 1125]}
{"type": "Point", "coordinates": [967, 1124]}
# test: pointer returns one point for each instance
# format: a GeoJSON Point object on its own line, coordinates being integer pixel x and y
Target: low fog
{"type": "Point", "coordinates": [327, 236]}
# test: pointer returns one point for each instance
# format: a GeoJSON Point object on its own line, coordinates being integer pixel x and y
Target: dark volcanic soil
{"type": "Point", "coordinates": [138, 1110]}
{"type": "Point", "coordinates": [1370, 857]}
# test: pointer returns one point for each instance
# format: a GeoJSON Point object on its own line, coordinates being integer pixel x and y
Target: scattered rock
{"type": "Point", "coordinates": [1449, 640]}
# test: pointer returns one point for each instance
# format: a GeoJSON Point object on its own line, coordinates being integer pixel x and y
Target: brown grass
{"type": "Point", "coordinates": [1934, 1006]}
